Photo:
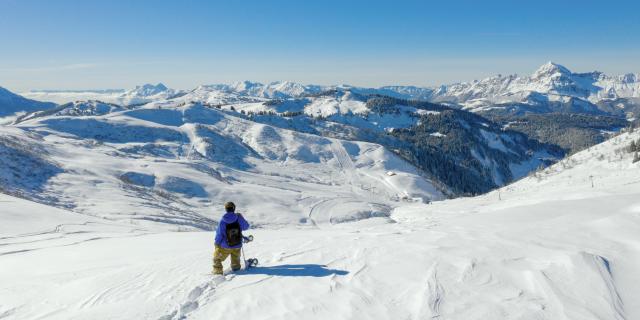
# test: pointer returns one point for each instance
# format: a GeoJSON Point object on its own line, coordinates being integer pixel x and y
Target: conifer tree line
{"type": "Point", "coordinates": [634, 147]}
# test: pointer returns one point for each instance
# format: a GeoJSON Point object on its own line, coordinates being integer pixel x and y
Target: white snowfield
{"type": "Point", "coordinates": [175, 163]}
{"type": "Point", "coordinates": [551, 246]}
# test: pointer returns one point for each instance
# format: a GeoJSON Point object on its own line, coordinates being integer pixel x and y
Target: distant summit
{"type": "Point", "coordinates": [551, 88]}
{"type": "Point", "coordinates": [550, 69]}
{"type": "Point", "coordinates": [148, 90]}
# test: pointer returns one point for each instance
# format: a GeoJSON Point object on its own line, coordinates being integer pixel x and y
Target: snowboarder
{"type": "Point", "coordinates": [228, 241]}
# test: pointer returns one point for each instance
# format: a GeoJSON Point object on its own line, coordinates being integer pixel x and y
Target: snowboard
{"type": "Point", "coordinates": [247, 239]}
{"type": "Point", "coordinates": [251, 262]}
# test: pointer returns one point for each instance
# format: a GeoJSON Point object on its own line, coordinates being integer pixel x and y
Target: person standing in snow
{"type": "Point", "coordinates": [228, 241]}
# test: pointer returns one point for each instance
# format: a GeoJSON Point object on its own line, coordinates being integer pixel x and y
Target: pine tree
{"type": "Point", "coordinates": [636, 157]}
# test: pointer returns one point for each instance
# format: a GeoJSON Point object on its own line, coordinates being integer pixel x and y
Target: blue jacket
{"type": "Point", "coordinates": [221, 232]}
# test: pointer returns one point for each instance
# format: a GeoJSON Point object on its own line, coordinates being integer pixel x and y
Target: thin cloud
{"type": "Point", "coordinates": [66, 67]}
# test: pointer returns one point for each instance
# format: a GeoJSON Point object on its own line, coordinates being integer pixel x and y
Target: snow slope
{"type": "Point", "coordinates": [12, 104]}
{"type": "Point", "coordinates": [562, 246]}
{"type": "Point", "coordinates": [550, 246]}
{"type": "Point", "coordinates": [497, 156]}
{"type": "Point", "coordinates": [170, 163]}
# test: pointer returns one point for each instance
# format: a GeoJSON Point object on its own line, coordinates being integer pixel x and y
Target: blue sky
{"type": "Point", "coordinates": [66, 44]}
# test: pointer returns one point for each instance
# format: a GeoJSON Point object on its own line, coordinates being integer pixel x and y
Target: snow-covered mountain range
{"type": "Point", "coordinates": [491, 156]}
{"type": "Point", "coordinates": [458, 151]}
{"type": "Point", "coordinates": [170, 163]}
{"type": "Point", "coordinates": [550, 88]}
{"type": "Point", "coordinates": [138, 95]}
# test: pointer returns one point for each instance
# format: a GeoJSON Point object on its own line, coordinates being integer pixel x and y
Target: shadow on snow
{"type": "Point", "coordinates": [297, 270]}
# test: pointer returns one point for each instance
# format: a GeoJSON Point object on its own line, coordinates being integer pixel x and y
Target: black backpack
{"type": "Point", "coordinates": [234, 234]}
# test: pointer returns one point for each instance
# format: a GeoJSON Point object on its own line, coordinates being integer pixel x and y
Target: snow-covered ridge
{"type": "Point", "coordinates": [77, 108]}
{"type": "Point", "coordinates": [273, 90]}
{"type": "Point", "coordinates": [551, 87]}
{"type": "Point", "coordinates": [12, 104]}
{"type": "Point", "coordinates": [550, 78]}
{"type": "Point", "coordinates": [549, 84]}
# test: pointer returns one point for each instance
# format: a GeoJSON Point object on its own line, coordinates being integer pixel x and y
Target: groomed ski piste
{"type": "Point", "coordinates": [561, 244]}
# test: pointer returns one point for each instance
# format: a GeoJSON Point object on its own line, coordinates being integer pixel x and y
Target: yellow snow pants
{"type": "Point", "coordinates": [220, 254]}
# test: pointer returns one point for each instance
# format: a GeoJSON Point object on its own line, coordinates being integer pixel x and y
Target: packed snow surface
{"type": "Point", "coordinates": [562, 244]}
